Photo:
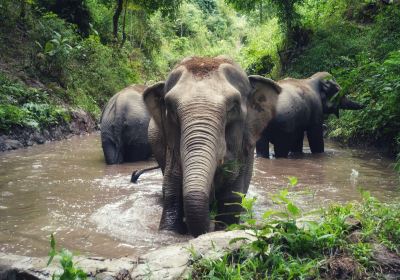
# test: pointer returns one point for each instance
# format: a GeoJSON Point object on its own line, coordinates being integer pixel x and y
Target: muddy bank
{"type": "Point", "coordinates": [81, 123]}
{"type": "Point", "coordinates": [176, 262]}
{"type": "Point", "coordinates": [171, 262]}
{"type": "Point", "coordinates": [383, 145]}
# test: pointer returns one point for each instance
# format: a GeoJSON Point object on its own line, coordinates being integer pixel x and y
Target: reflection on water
{"type": "Point", "coordinates": [65, 187]}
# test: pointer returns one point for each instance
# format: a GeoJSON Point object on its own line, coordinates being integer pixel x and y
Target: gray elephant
{"type": "Point", "coordinates": [206, 118]}
{"type": "Point", "coordinates": [124, 124]}
{"type": "Point", "coordinates": [301, 107]}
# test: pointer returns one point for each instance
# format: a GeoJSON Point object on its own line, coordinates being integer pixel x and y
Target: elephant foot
{"type": "Point", "coordinates": [220, 226]}
{"type": "Point", "coordinates": [173, 222]}
{"type": "Point", "coordinates": [177, 227]}
{"type": "Point", "coordinates": [262, 155]}
{"type": "Point", "coordinates": [296, 154]}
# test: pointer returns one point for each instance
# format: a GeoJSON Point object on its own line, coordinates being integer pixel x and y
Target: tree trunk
{"type": "Point", "coordinates": [124, 24]}
{"type": "Point", "coordinates": [22, 13]}
{"type": "Point", "coordinates": [117, 13]}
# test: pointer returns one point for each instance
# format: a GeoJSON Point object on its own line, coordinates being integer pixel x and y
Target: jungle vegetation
{"type": "Point", "coordinates": [56, 55]}
{"type": "Point", "coordinates": [358, 240]}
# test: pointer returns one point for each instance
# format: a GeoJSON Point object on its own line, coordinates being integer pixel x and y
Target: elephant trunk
{"type": "Point", "coordinates": [347, 104]}
{"type": "Point", "coordinates": [199, 155]}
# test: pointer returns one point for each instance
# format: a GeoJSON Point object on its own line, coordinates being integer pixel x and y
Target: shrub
{"type": "Point", "coordinates": [287, 245]}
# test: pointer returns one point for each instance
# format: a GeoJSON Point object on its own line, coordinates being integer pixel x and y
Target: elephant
{"type": "Point", "coordinates": [302, 106]}
{"type": "Point", "coordinates": [124, 124]}
{"type": "Point", "coordinates": [205, 120]}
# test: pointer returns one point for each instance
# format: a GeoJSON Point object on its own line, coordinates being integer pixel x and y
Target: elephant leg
{"type": "Point", "coordinates": [172, 215]}
{"type": "Point", "coordinates": [136, 152]}
{"type": "Point", "coordinates": [282, 143]}
{"type": "Point", "coordinates": [316, 139]}
{"type": "Point", "coordinates": [262, 146]}
{"type": "Point", "coordinates": [228, 209]}
{"type": "Point", "coordinates": [112, 153]}
{"type": "Point", "coordinates": [298, 142]}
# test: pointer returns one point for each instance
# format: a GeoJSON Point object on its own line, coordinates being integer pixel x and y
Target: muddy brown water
{"type": "Point", "coordinates": [64, 187]}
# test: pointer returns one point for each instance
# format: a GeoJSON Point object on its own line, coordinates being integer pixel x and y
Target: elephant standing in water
{"type": "Point", "coordinates": [301, 107]}
{"type": "Point", "coordinates": [206, 118]}
{"type": "Point", "coordinates": [124, 124]}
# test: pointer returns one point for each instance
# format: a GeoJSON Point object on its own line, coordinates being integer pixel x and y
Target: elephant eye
{"type": "Point", "coordinates": [172, 114]}
{"type": "Point", "coordinates": [234, 108]}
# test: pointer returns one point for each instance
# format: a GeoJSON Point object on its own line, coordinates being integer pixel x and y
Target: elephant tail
{"type": "Point", "coordinates": [136, 174]}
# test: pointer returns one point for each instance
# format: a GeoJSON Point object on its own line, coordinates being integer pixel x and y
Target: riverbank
{"type": "Point", "coordinates": [79, 123]}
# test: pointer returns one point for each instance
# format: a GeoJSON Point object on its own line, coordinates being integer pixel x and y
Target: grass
{"type": "Point", "coordinates": [342, 241]}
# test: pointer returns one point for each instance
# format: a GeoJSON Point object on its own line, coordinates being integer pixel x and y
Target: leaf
{"type": "Point", "coordinates": [53, 251]}
{"type": "Point", "coordinates": [48, 47]}
{"type": "Point", "coordinates": [269, 213]}
{"type": "Point", "coordinates": [39, 45]}
{"type": "Point", "coordinates": [292, 181]}
{"type": "Point", "coordinates": [325, 236]}
{"type": "Point", "coordinates": [293, 209]}
{"type": "Point", "coordinates": [52, 242]}
{"type": "Point", "coordinates": [57, 35]}
{"type": "Point", "coordinates": [242, 195]}
{"type": "Point", "coordinates": [55, 42]}
{"type": "Point", "coordinates": [237, 239]}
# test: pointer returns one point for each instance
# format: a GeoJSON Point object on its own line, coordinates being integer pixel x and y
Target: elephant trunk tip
{"type": "Point", "coordinates": [196, 207]}
{"type": "Point", "coordinates": [348, 104]}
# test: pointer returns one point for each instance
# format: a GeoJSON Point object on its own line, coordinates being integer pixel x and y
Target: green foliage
{"type": "Point", "coordinates": [165, 6]}
{"type": "Point", "coordinates": [70, 271]}
{"type": "Point", "coordinates": [359, 43]}
{"type": "Point", "coordinates": [288, 246]}
{"type": "Point", "coordinates": [284, 10]}
{"type": "Point", "coordinates": [11, 115]}
{"type": "Point", "coordinates": [259, 55]}
{"type": "Point", "coordinates": [207, 6]}
{"type": "Point", "coordinates": [86, 72]}
{"type": "Point", "coordinates": [27, 107]}
{"type": "Point", "coordinates": [378, 86]}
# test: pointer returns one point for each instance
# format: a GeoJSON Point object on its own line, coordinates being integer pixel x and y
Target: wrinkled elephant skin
{"type": "Point", "coordinates": [124, 124]}
{"type": "Point", "coordinates": [206, 118]}
{"type": "Point", "coordinates": [301, 108]}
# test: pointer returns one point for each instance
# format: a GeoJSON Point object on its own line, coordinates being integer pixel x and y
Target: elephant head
{"type": "Point", "coordinates": [208, 112]}
{"type": "Point", "coordinates": [331, 100]}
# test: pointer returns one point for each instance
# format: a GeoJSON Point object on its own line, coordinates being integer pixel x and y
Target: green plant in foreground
{"type": "Point", "coordinates": [286, 246]}
{"type": "Point", "coordinates": [70, 272]}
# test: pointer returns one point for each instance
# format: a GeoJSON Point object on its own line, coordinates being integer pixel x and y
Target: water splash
{"type": "Point", "coordinates": [354, 177]}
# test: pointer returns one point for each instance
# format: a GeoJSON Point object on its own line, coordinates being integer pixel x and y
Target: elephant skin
{"type": "Point", "coordinates": [206, 118]}
{"type": "Point", "coordinates": [301, 107]}
{"type": "Point", "coordinates": [124, 124]}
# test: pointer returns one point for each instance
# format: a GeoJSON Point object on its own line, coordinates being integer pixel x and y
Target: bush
{"type": "Point", "coordinates": [360, 47]}
{"type": "Point", "coordinates": [260, 53]}
{"type": "Point", "coordinates": [378, 87]}
{"type": "Point", "coordinates": [27, 107]}
{"type": "Point", "coordinates": [287, 245]}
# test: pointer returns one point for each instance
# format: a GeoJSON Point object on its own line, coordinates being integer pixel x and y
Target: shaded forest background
{"type": "Point", "coordinates": [59, 55]}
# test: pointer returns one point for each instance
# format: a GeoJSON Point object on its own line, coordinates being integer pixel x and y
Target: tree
{"type": "Point", "coordinates": [167, 7]}
{"type": "Point", "coordinates": [73, 11]}
{"type": "Point", "coordinates": [285, 11]}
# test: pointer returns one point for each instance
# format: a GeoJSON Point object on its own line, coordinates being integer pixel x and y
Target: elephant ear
{"type": "Point", "coordinates": [153, 97]}
{"type": "Point", "coordinates": [329, 95]}
{"type": "Point", "coordinates": [261, 105]}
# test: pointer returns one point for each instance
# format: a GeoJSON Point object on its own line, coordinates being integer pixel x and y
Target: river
{"type": "Point", "coordinates": [66, 188]}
